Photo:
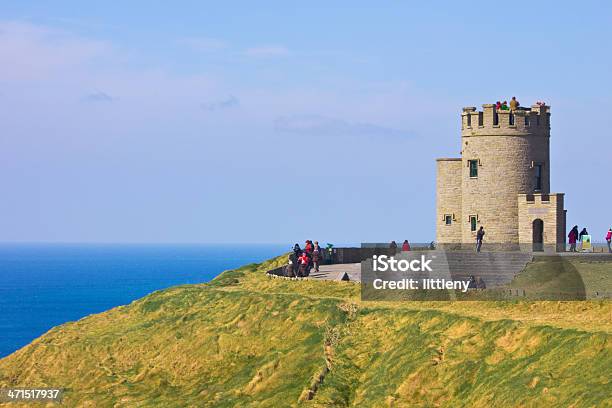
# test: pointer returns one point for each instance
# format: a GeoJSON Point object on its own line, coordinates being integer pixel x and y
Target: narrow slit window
{"type": "Point", "coordinates": [526, 121]}
{"type": "Point", "coordinates": [538, 177]}
{"type": "Point", "coordinates": [469, 120]}
{"type": "Point", "coordinates": [473, 168]}
{"type": "Point", "coordinates": [448, 219]}
{"type": "Point", "coordinates": [473, 221]}
{"type": "Point", "coordinates": [495, 118]}
{"type": "Point", "coordinates": [480, 119]}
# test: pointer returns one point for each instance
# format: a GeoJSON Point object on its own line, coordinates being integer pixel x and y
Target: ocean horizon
{"type": "Point", "coordinates": [43, 285]}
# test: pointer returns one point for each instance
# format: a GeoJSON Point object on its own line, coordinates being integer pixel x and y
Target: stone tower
{"type": "Point", "coordinates": [501, 181]}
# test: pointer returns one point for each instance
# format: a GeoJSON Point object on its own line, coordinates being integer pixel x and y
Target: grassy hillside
{"type": "Point", "coordinates": [251, 341]}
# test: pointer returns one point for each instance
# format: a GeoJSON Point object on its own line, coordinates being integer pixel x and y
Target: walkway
{"type": "Point", "coordinates": [337, 271]}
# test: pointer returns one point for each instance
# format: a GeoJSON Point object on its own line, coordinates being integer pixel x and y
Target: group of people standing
{"type": "Point", "coordinates": [514, 105]}
{"type": "Point", "coordinates": [574, 237]}
{"type": "Point", "coordinates": [301, 261]}
{"type": "Point", "coordinates": [405, 246]}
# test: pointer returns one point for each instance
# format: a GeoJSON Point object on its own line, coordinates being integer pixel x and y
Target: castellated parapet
{"type": "Point", "coordinates": [505, 155]}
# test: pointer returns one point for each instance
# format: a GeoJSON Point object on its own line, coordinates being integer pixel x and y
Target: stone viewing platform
{"type": "Point", "coordinates": [337, 272]}
{"type": "Point", "coordinates": [495, 268]}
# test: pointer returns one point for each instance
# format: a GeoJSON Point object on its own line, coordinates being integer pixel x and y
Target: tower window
{"type": "Point", "coordinates": [473, 168]}
{"type": "Point", "coordinates": [538, 177]}
{"type": "Point", "coordinates": [495, 118]}
{"type": "Point", "coordinates": [473, 221]}
{"type": "Point", "coordinates": [480, 119]}
{"type": "Point", "coordinates": [526, 120]}
{"type": "Point", "coordinates": [448, 219]}
{"type": "Point", "coordinates": [469, 120]}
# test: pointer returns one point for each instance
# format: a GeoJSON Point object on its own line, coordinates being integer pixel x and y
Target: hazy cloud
{"type": "Point", "coordinates": [203, 43]}
{"type": "Point", "coordinates": [230, 102]}
{"type": "Point", "coordinates": [99, 97]}
{"type": "Point", "coordinates": [29, 51]}
{"type": "Point", "coordinates": [267, 51]}
{"type": "Point", "coordinates": [323, 125]}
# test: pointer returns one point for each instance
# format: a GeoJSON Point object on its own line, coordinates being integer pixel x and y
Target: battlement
{"type": "Point", "coordinates": [491, 121]}
{"type": "Point", "coordinates": [537, 199]}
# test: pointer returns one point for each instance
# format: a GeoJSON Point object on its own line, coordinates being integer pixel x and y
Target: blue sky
{"type": "Point", "coordinates": [227, 122]}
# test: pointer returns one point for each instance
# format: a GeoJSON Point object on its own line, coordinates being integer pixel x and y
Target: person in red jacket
{"type": "Point", "coordinates": [609, 240]}
{"type": "Point", "coordinates": [573, 237]}
{"type": "Point", "coordinates": [405, 246]}
{"type": "Point", "coordinates": [303, 260]}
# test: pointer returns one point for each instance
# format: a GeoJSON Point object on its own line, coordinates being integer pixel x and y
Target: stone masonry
{"type": "Point", "coordinates": [501, 181]}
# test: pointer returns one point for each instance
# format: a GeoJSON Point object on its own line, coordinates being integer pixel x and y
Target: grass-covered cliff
{"type": "Point", "coordinates": [248, 340]}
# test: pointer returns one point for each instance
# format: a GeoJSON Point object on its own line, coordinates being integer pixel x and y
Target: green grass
{"type": "Point", "coordinates": [571, 278]}
{"type": "Point", "coordinates": [248, 340]}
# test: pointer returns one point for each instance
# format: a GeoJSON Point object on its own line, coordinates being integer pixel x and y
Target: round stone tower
{"type": "Point", "coordinates": [503, 154]}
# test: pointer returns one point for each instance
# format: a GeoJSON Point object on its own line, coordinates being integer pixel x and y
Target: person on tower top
{"type": "Point", "coordinates": [498, 105]}
{"type": "Point", "coordinates": [504, 105]}
{"type": "Point", "coordinates": [514, 104]}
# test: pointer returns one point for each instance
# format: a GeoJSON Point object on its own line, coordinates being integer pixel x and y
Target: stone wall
{"type": "Point", "coordinates": [505, 169]}
{"type": "Point", "coordinates": [448, 200]}
{"type": "Point", "coordinates": [549, 209]}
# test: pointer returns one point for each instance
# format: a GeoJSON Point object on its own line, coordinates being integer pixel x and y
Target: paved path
{"type": "Point", "coordinates": [335, 272]}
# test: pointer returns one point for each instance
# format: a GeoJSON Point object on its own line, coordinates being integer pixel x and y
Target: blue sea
{"type": "Point", "coordinates": [44, 285]}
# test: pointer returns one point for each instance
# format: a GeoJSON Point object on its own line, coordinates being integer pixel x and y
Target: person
{"type": "Point", "coordinates": [308, 247]}
{"type": "Point", "coordinates": [303, 260]}
{"type": "Point", "coordinates": [609, 240]}
{"type": "Point", "coordinates": [573, 237]}
{"type": "Point", "coordinates": [393, 246]}
{"type": "Point", "coordinates": [297, 251]}
{"type": "Point", "coordinates": [479, 236]}
{"type": "Point", "coordinates": [317, 256]}
{"type": "Point", "coordinates": [290, 267]}
{"type": "Point", "coordinates": [582, 233]}
{"type": "Point", "coordinates": [504, 105]}
{"type": "Point", "coordinates": [405, 246]}
{"type": "Point", "coordinates": [514, 104]}
{"type": "Point", "coordinates": [498, 105]}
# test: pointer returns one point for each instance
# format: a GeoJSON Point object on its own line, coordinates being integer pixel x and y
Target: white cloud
{"type": "Point", "coordinates": [31, 52]}
{"type": "Point", "coordinates": [267, 51]}
{"type": "Point", "coordinates": [323, 125]}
